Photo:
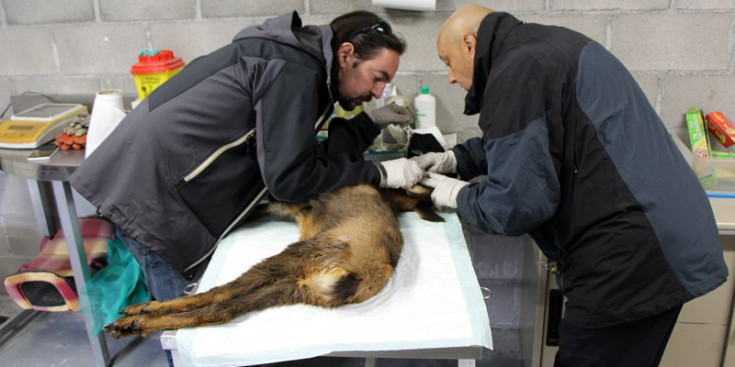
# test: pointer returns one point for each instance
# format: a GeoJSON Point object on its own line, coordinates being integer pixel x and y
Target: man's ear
{"type": "Point", "coordinates": [344, 53]}
{"type": "Point", "coordinates": [469, 43]}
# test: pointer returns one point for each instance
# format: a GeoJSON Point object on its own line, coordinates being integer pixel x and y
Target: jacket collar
{"type": "Point", "coordinates": [288, 29]}
{"type": "Point", "coordinates": [490, 36]}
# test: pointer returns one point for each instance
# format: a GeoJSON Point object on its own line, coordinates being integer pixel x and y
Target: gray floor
{"type": "Point", "coordinates": [59, 339]}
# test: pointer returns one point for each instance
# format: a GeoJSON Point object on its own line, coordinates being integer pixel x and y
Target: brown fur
{"type": "Point", "coordinates": [349, 245]}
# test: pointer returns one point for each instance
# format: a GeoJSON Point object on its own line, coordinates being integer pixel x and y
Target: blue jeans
{"type": "Point", "coordinates": [163, 281]}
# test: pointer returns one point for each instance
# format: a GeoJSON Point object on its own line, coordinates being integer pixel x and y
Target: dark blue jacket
{"type": "Point", "coordinates": [577, 157]}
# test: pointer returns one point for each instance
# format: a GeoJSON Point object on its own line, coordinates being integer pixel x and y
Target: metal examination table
{"type": "Point", "coordinates": [50, 180]}
{"type": "Point", "coordinates": [432, 307]}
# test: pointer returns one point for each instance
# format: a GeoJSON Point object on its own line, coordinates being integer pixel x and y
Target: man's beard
{"type": "Point", "coordinates": [349, 104]}
{"type": "Point", "coordinates": [346, 103]}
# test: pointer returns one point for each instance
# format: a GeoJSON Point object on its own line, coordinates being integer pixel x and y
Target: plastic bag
{"type": "Point", "coordinates": [116, 286]}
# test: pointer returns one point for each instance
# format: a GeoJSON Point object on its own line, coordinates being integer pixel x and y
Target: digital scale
{"type": "Point", "coordinates": [37, 125]}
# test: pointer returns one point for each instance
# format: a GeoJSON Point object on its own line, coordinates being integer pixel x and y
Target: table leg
{"type": "Point", "coordinates": [78, 259]}
{"type": "Point", "coordinates": [42, 200]}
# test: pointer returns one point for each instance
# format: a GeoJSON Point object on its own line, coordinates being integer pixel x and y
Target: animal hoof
{"type": "Point", "coordinates": [123, 327]}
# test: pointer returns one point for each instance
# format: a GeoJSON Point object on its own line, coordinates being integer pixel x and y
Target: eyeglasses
{"type": "Point", "coordinates": [380, 26]}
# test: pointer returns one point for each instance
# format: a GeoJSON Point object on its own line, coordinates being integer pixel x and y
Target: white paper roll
{"type": "Point", "coordinates": [111, 96]}
{"type": "Point", "coordinates": [107, 112]}
{"type": "Point", "coordinates": [421, 5]}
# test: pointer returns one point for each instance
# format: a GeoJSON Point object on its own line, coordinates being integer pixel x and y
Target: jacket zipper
{"type": "Point", "coordinates": [229, 228]}
{"type": "Point", "coordinates": [255, 201]}
{"type": "Point", "coordinates": [202, 166]}
{"type": "Point", "coordinates": [212, 157]}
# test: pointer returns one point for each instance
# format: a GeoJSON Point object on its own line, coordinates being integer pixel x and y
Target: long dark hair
{"type": "Point", "coordinates": [367, 32]}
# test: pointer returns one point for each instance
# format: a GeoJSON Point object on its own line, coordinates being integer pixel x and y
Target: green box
{"type": "Point", "coordinates": [697, 133]}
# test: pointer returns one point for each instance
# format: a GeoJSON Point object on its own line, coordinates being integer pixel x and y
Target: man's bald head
{"type": "Point", "coordinates": [457, 40]}
{"type": "Point", "coordinates": [465, 20]}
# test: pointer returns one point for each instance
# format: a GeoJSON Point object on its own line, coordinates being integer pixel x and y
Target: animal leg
{"type": "Point", "coordinates": [182, 304]}
{"type": "Point", "coordinates": [329, 288]}
{"type": "Point", "coordinates": [147, 324]}
{"type": "Point", "coordinates": [284, 292]}
{"type": "Point", "coordinates": [257, 276]}
{"type": "Point", "coordinates": [279, 266]}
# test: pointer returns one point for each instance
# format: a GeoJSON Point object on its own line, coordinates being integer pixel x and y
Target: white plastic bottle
{"type": "Point", "coordinates": [425, 105]}
{"type": "Point", "coordinates": [398, 99]}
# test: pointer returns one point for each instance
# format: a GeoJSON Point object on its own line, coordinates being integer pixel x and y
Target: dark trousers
{"type": "Point", "coordinates": [639, 343]}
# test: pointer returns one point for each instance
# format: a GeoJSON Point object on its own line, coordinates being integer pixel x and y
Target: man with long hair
{"type": "Point", "coordinates": [190, 162]}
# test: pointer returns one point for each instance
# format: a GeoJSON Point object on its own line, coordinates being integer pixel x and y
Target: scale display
{"type": "Point", "coordinates": [37, 125]}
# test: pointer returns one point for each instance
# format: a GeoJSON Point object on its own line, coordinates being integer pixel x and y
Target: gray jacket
{"type": "Point", "coordinates": [187, 165]}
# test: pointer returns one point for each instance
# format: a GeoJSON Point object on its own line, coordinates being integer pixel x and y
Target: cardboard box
{"type": "Point", "coordinates": [722, 129]}
{"type": "Point", "coordinates": [697, 133]}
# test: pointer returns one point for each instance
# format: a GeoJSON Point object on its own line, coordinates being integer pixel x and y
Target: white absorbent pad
{"type": "Point", "coordinates": [432, 301]}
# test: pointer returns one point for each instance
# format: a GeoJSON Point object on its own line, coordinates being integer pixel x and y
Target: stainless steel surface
{"type": "Point", "coordinates": [58, 168]}
{"type": "Point", "coordinates": [459, 353]}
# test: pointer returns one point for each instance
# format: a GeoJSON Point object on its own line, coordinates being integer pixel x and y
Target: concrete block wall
{"type": "Point", "coordinates": [682, 52]}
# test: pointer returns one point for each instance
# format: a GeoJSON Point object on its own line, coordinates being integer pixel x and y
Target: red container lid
{"type": "Point", "coordinates": [159, 63]}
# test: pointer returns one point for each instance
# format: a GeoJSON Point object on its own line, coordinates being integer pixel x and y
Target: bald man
{"type": "Point", "coordinates": [576, 157]}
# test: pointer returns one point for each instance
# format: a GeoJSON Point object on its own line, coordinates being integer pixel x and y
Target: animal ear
{"type": "Point", "coordinates": [423, 207]}
{"type": "Point", "coordinates": [427, 212]}
{"type": "Point", "coordinates": [417, 199]}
